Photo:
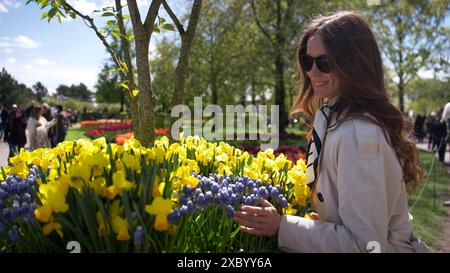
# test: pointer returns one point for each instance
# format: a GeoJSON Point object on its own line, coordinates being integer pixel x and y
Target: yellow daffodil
{"type": "Point", "coordinates": [119, 183]}
{"type": "Point", "coordinates": [44, 213]}
{"type": "Point", "coordinates": [289, 210]}
{"type": "Point", "coordinates": [301, 193]}
{"type": "Point", "coordinates": [99, 186]}
{"type": "Point", "coordinates": [120, 227]}
{"type": "Point", "coordinates": [100, 142]}
{"type": "Point", "coordinates": [54, 199]}
{"type": "Point", "coordinates": [161, 208]}
{"type": "Point", "coordinates": [223, 169]}
{"type": "Point", "coordinates": [159, 154]}
{"type": "Point", "coordinates": [182, 177]}
{"type": "Point", "coordinates": [80, 171]}
{"type": "Point", "coordinates": [132, 161]}
{"type": "Point", "coordinates": [102, 228]}
{"type": "Point", "coordinates": [48, 228]}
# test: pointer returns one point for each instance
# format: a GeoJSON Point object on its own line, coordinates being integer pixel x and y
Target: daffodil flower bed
{"type": "Point", "coordinates": [177, 197]}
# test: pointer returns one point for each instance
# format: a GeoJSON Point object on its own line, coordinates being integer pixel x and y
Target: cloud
{"type": "Point", "coordinates": [12, 3]}
{"type": "Point", "coordinates": [20, 42]}
{"type": "Point", "coordinates": [84, 6]}
{"type": "Point", "coordinates": [43, 61]}
{"type": "Point", "coordinates": [87, 7]}
{"type": "Point", "coordinates": [11, 60]}
{"type": "Point", "coordinates": [3, 9]}
{"type": "Point", "coordinates": [7, 50]}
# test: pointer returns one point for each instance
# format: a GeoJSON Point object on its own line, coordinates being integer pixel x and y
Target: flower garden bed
{"type": "Point", "coordinates": [129, 198]}
{"type": "Point", "coordinates": [113, 131]}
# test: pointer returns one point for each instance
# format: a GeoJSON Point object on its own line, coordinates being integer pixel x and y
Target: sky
{"type": "Point", "coordinates": [69, 53]}
{"type": "Point", "coordinates": [32, 50]}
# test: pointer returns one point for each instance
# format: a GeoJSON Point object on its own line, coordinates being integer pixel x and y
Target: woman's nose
{"type": "Point", "coordinates": [314, 72]}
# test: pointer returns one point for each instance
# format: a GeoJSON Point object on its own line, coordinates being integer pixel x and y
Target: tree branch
{"type": "Point", "coordinates": [173, 17]}
{"type": "Point", "coordinates": [151, 16]}
{"type": "Point", "coordinates": [195, 16]}
{"type": "Point", "coordinates": [255, 16]}
{"type": "Point", "coordinates": [125, 49]}
{"type": "Point", "coordinates": [91, 25]}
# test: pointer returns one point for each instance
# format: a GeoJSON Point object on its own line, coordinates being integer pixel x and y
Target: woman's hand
{"type": "Point", "coordinates": [263, 220]}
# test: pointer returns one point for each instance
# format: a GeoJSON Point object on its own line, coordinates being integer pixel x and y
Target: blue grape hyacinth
{"type": "Point", "coordinates": [227, 192]}
{"type": "Point", "coordinates": [17, 204]}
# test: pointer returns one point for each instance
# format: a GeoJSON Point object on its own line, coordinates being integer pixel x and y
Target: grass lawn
{"type": "Point", "coordinates": [75, 132]}
{"type": "Point", "coordinates": [429, 213]}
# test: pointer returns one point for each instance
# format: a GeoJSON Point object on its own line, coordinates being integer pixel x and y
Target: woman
{"type": "Point", "coordinates": [18, 125]}
{"type": "Point", "coordinates": [360, 159]}
{"type": "Point", "coordinates": [37, 130]}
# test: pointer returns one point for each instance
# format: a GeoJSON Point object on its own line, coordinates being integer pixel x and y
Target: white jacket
{"type": "Point", "coordinates": [364, 200]}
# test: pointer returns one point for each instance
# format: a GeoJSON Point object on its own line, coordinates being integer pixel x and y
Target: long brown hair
{"type": "Point", "coordinates": [355, 60]}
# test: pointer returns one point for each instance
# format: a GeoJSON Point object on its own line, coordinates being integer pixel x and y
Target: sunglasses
{"type": "Point", "coordinates": [321, 61]}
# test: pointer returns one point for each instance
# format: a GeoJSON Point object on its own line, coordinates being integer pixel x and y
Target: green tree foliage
{"type": "Point", "coordinates": [410, 33]}
{"type": "Point", "coordinates": [13, 92]}
{"type": "Point", "coordinates": [108, 87]}
{"type": "Point", "coordinates": [40, 91]}
{"type": "Point", "coordinates": [79, 92]}
{"type": "Point", "coordinates": [428, 95]}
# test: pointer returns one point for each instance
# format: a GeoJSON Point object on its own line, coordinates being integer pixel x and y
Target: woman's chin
{"type": "Point", "coordinates": [322, 93]}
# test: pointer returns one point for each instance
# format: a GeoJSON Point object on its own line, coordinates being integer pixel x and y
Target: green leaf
{"type": "Point", "coordinates": [161, 20]}
{"type": "Point", "coordinates": [111, 23]}
{"type": "Point", "coordinates": [112, 70]}
{"type": "Point", "coordinates": [124, 86]}
{"type": "Point", "coordinates": [135, 92]}
{"type": "Point", "coordinates": [44, 15]}
{"type": "Point", "coordinates": [72, 14]}
{"type": "Point", "coordinates": [156, 28]}
{"type": "Point", "coordinates": [52, 12]}
{"type": "Point", "coordinates": [106, 14]}
{"type": "Point", "coordinates": [168, 27]}
{"type": "Point", "coordinates": [115, 34]}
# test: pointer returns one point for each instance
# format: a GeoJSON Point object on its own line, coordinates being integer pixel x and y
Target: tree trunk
{"type": "Point", "coordinates": [187, 39]}
{"type": "Point", "coordinates": [122, 101]}
{"type": "Point", "coordinates": [401, 83]}
{"type": "Point", "coordinates": [126, 55]}
{"type": "Point", "coordinates": [253, 92]}
{"type": "Point", "coordinates": [279, 70]}
{"type": "Point", "coordinates": [280, 90]}
{"type": "Point", "coordinates": [214, 88]}
{"type": "Point", "coordinates": [401, 92]}
{"type": "Point", "coordinates": [145, 99]}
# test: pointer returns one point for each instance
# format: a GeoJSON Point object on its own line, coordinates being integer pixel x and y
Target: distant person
{"type": "Point", "coordinates": [432, 120]}
{"type": "Point", "coordinates": [445, 118]}
{"type": "Point", "coordinates": [29, 110]}
{"type": "Point", "coordinates": [46, 113]}
{"type": "Point", "coordinates": [445, 133]}
{"type": "Point", "coordinates": [37, 130]}
{"type": "Point", "coordinates": [419, 132]}
{"type": "Point", "coordinates": [62, 125]}
{"type": "Point", "coordinates": [18, 125]}
{"type": "Point", "coordinates": [4, 116]}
